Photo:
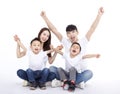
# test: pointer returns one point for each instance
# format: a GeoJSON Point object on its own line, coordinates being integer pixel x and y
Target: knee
{"type": "Point", "coordinates": [46, 70]}
{"type": "Point", "coordinates": [90, 73]}
{"type": "Point", "coordinates": [20, 72]}
{"type": "Point", "coordinates": [72, 69]}
{"type": "Point", "coordinates": [29, 70]}
{"type": "Point", "coordinates": [53, 69]}
{"type": "Point", "coordinates": [59, 69]}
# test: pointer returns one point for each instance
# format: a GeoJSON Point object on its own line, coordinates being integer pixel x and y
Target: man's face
{"type": "Point", "coordinates": [72, 35]}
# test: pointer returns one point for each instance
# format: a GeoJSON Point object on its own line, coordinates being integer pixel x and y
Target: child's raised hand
{"type": "Point", "coordinates": [97, 55]}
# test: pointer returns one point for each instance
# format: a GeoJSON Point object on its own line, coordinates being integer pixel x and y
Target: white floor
{"type": "Point", "coordinates": [9, 86]}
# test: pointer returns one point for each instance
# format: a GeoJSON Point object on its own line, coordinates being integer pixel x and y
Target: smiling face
{"type": "Point", "coordinates": [44, 36]}
{"type": "Point", "coordinates": [75, 49]}
{"type": "Point", "coordinates": [72, 35]}
{"type": "Point", "coordinates": [35, 46]}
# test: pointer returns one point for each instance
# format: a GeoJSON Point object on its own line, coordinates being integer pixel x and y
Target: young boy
{"type": "Point", "coordinates": [72, 65]}
{"type": "Point", "coordinates": [72, 34]}
{"type": "Point", "coordinates": [37, 72]}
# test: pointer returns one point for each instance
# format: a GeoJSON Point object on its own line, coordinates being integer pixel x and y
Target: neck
{"type": "Point", "coordinates": [75, 40]}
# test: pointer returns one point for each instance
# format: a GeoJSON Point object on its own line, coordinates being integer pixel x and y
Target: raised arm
{"type": "Point", "coordinates": [20, 52]}
{"type": "Point", "coordinates": [51, 26]}
{"type": "Point", "coordinates": [91, 56]}
{"type": "Point", "coordinates": [95, 23]}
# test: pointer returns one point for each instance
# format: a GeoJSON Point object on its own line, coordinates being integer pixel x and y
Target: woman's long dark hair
{"type": "Point", "coordinates": [46, 45]}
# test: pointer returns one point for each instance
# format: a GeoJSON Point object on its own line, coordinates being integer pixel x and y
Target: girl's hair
{"type": "Point", "coordinates": [77, 44]}
{"type": "Point", "coordinates": [46, 45]}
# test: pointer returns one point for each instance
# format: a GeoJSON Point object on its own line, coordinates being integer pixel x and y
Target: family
{"type": "Point", "coordinates": [75, 74]}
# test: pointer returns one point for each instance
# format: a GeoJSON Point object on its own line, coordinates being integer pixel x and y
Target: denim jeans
{"type": "Point", "coordinates": [53, 73]}
{"type": "Point", "coordinates": [84, 76]}
{"type": "Point", "coordinates": [38, 75]}
{"type": "Point", "coordinates": [22, 74]}
{"type": "Point", "coordinates": [43, 75]}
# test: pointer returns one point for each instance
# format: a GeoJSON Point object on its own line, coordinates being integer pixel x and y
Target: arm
{"type": "Point", "coordinates": [51, 59]}
{"type": "Point", "coordinates": [51, 26]}
{"type": "Point", "coordinates": [91, 56]}
{"type": "Point", "coordinates": [95, 23]}
{"type": "Point", "coordinates": [20, 53]}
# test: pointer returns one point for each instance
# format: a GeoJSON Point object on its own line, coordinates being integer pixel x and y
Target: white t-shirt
{"type": "Point", "coordinates": [37, 61]}
{"type": "Point", "coordinates": [83, 43]}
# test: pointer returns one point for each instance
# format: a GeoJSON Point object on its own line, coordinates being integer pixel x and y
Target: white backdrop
{"type": "Point", "coordinates": [22, 17]}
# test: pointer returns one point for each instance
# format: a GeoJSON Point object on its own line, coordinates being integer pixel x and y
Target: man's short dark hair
{"type": "Point", "coordinates": [71, 27]}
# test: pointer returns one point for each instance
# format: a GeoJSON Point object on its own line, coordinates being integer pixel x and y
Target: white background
{"type": "Point", "coordinates": [22, 17]}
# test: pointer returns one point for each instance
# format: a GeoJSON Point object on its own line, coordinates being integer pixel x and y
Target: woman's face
{"type": "Point", "coordinates": [44, 36]}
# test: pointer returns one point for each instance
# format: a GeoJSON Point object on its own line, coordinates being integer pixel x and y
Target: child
{"type": "Point", "coordinates": [72, 65]}
{"type": "Point", "coordinates": [37, 73]}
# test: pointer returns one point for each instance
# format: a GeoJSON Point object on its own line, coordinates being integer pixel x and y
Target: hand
{"type": "Point", "coordinates": [97, 55]}
{"type": "Point", "coordinates": [16, 38]}
{"type": "Point", "coordinates": [60, 47]}
{"type": "Point", "coordinates": [101, 11]}
{"type": "Point", "coordinates": [43, 13]}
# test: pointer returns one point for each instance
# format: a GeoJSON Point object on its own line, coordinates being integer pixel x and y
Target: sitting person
{"type": "Point", "coordinates": [37, 73]}
{"type": "Point", "coordinates": [72, 65]}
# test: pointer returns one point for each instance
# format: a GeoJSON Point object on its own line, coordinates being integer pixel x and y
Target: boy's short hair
{"type": "Point", "coordinates": [71, 27]}
{"type": "Point", "coordinates": [77, 44]}
{"type": "Point", "coordinates": [35, 39]}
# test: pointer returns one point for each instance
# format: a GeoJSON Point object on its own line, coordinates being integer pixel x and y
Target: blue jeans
{"type": "Point", "coordinates": [84, 76]}
{"type": "Point", "coordinates": [23, 75]}
{"type": "Point", "coordinates": [38, 75]}
{"type": "Point", "coordinates": [53, 73]}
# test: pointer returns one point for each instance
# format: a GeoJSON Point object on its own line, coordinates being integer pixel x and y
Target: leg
{"type": "Point", "coordinates": [53, 73]}
{"type": "Point", "coordinates": [72, 78]}
{"type": "Point", "coordinates": [43, 78]}
{"type": "Point", "coordinates": [22, 74]}
{"type": "Point", "coordinates": [31, 76]}
{"type": "Point", "coordinates": [84, 76]}
{"type": "Point", "coordinates": [72, 74]}
{"type": "Point", "coordinates": [62, 73]}
{"type": "Point", "coordinates": [44, 75]}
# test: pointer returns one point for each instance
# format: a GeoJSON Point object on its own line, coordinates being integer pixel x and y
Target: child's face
{"type": "Point", "coordinates": [36, 47]}
{"type": "Point", "coordinates": [75, 49]}
{"type": "Point", "coordinates": [72, 35]}
{"type": "Point", "coordinates": [44, 36]}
